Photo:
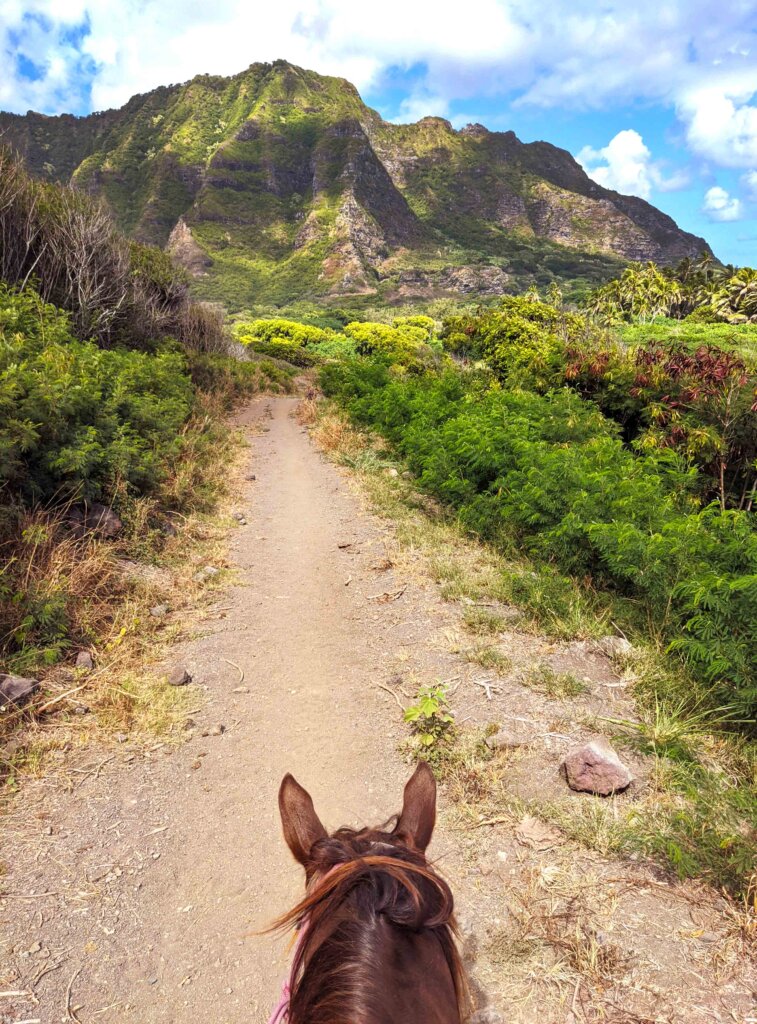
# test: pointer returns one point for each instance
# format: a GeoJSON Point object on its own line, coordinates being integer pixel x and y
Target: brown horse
{"type": "Point", "coordinates": [377, 934]}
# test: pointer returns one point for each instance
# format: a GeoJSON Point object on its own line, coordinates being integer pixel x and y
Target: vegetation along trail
{"type": "Point", "coordinates": [134, 894]}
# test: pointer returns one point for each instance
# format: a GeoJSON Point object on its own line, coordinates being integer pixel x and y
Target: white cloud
{"type": "Point", "coordinates": [696, 56]}
{"type": "Point", "coordinates": [625, 164]}
{"type": "Point", "coordinates": [422, 104]}
{"type": "Point", "coordinates": [721, 205]}
{"type": "Point", "coordinates": [749, 180]}
{"type": "Point", "coordinates": [721, 123]}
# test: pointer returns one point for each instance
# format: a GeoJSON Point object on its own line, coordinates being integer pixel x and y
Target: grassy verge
{"type": "Point", "coordinates": [698, 816]}
{"type": "Point", "coordinates": [122, 601]}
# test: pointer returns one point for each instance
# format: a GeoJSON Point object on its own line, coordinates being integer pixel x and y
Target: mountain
{"type": "Point", "coordinates": [279, 183]}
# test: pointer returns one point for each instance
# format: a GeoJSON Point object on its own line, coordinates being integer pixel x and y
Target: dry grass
{"type": "Point", "coordinates": [97, 595]}
{"type": "Point", "coordinates": [555, 947]}
{"type": "Point", "coordinates": [557, 685]}
{"type": "Point", "coordinates": [482, 622]}
{"type": "Point", "coordinates": [489, 657]}
{"type": "Point", "coordinates": [332, 432]}
{"type": "Point", "coordinates": [48, 575]}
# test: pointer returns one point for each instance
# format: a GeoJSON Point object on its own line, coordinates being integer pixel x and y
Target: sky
{"type": "Point", "coordinates": [657, 98]}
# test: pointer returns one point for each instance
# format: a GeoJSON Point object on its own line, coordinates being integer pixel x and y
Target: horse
{"type": "Point", "coordinates": [376, 940]}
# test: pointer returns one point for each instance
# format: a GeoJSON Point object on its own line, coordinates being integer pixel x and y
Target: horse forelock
{"type": "Point", "coordinates": [362, 883]}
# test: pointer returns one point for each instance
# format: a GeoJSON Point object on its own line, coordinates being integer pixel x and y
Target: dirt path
{"type": "Point", "coordinates": [132, 897]}
{"type": "Point", "coordinates": [163, 870]}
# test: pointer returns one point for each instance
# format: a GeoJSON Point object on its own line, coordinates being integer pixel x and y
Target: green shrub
{"type": "Point", "coordinates": [278, 330]}
{"type": "Point", "coordinates": [699, 402]}
{"type": "Point", "coordinates": [290, 352]}
{"type": "Point", "coordinates": [552, 473]}
{"type": "Point", "coordinates": [298, 343]}
{"type": "Point", "coordinates": [523, 340]}
{"type": "Point", "coordinates": [74, 418]}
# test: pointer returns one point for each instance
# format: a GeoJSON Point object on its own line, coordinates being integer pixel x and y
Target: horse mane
{"type": "Point", "coordinates": [355, 894]}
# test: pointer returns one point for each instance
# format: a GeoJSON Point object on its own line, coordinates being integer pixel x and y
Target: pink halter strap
{"type": "Point", "coordinates": [281, 1010]}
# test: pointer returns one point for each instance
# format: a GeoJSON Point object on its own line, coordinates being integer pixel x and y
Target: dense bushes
{"type": "Point", "coordinates": [279, 330]}
{"type": "Point", "coordinates": [553, 473]}
{"type": "Point", "coordinates": [407, 342]}
{"type": "Point", "coordinates": [523, 340]}
{"type": "Point", "coordinates": [75, 419]}
{"type": "Point", "coordinates": [698, 399]}
{"type": "Point", "coordinates": [117, 292]}
{"type": "Point", "coordinates": [699, 402]}
{"type": "Point", "coordinates": [140, 430]}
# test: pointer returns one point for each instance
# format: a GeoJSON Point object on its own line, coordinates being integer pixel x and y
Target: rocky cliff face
{"type": "Point", "coordinates": [279, 183]}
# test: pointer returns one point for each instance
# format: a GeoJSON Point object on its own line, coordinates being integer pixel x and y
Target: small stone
{"type": "Point", "coordinates": [84, 661]}
{"type": "Point", "coordinates": [159, 611]}
{"type": "Point", "coordinates": [596, 768]}
{"type": "Point", "coordinates": [615, 647]}
{"type": "Point", "coordinates": [120, 737]}
{"type": "Point", "coordinates": [239, 516]}
{"type": "Point", "coordinates": [207, 572]}
{"type": "Point", "coordinates": [407, 475]}
{"type": "Point", "coordinates": [487, 1015]}
{"type": "Point", "coordinates": [103, 521]}
{"type": "Point", "coordinates": [537, 834]}
{"type": "Point", "coordinates": [17, 689]}
{"type": "Point", "coordinates": [513, 734]}
{"type": "Point", "coordinates": [215, 730]}
{"type": "Point", "coordinates": [241, 689]}
{"type": "Point", "coordinates": [468, 938]}
{"type": "Point", "coordinates": [391, 472]}
{"type": "Point", "coordinates": [250, 476]}
{"type": "Point", "coordinates": [710, 937]}
{"type": "Point", "coordinates": [178, 676]}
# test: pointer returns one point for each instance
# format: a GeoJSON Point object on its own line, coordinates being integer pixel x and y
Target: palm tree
{"type": "Point", "coordinates": [736, 300]}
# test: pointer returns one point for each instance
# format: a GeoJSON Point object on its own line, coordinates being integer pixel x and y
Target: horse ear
{"type": "Point", "coordinates": [418, 815]}
{"type": "Point", "coordinates": [302, 826]}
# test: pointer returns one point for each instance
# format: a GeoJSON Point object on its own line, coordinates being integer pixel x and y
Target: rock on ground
{"type": "Point", "coordinates": [614, 646]}
{"type": "Point", "coordinates": [178, 676]}
{"type": "Point", "coordinates": [95, 518]}
{"type": "Point", "coordinates": [512, 734]}
{"type": "Point", "coordinates": [17, 689]}
{"type": "Point", "coordinates": [596, 768]}
{"type": "Point", "coordinates": [488, 1015]}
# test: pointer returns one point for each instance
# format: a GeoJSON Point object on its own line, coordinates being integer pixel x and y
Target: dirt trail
{"type": "Point", "coordinates": [132, 897]}
{"type": "Point", "coordinates": [164, 870]}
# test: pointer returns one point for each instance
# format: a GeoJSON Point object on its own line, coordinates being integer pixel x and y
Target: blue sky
{"type": "Point", "coordinates": [657, 99]}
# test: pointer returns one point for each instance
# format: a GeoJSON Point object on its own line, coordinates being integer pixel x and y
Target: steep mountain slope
{"type": "Point", "coordinates": [278, 183]}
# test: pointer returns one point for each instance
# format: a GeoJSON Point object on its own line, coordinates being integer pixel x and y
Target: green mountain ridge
{"type": "Point", "coordinates": [279, 183]}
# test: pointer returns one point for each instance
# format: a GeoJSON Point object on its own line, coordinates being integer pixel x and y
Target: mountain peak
{"type": "Point", "coordinates": [279, 182]}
